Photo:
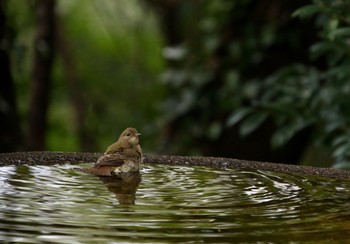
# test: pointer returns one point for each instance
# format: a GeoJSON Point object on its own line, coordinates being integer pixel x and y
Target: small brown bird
{"type": "Point", "coordinates": [125, 155]}
{"type": "Point", "coordinates": [127, 144]}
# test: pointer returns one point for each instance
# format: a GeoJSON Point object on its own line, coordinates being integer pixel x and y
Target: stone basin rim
{"type": "Point", "coordinates": [52, 158]}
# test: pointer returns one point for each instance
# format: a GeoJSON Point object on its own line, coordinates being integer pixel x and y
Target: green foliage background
{"type": "Point", "coordinates": [297, 95]}
{"type": "Point", "coordinates": [329, 104]}
{"type": "Point", "coordinates": [118, 52]}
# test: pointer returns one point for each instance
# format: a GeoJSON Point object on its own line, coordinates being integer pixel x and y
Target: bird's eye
{"type": "Point", "coordinates": [128, 134]}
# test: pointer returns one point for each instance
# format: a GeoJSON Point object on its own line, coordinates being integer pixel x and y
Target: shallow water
{"type": "Point", "coordinates": [171, 204]}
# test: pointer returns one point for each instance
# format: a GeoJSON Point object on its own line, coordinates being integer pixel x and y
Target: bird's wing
{"type": "Point", "coordinates": [115, 159]}
{"type": "Point", "coordinates": [114, 148]}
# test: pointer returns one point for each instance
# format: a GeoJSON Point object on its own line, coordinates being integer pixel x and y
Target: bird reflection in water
{"type": "Point", "coordinates": [123, 185]}
{"type": "Point", "coordinates": [118, 168]}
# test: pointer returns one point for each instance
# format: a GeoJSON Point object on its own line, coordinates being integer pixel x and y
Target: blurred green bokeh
{"type": "Point", "coordinates": [117, 51]}
{"type": "Point", "coordinates": [257, 80]}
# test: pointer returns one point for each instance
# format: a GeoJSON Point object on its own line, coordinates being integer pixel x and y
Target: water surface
{"type": "Point", "coordinates": [56, 204]}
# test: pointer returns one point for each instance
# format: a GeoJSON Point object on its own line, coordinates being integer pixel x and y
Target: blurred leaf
{"type": "Point", "coordinates": [214, 130]}
{"type": "Point", "coordinates": [332, 126]}
{"type": "Point", "coordinates": [339, 72]}
{"type": "Point", "coordinates": [340, 140]}
{"type": "Point", "coordinates": [306, 11]}
{"type": "Point", "coordinates": [342, 150]}
{"type": "Point", "coordinates": [237, 116]}
{"type": "Point", "coordinates": [320, 48]}
{"type": "Point", "coordinates": [342, 165]}
{"type": "Point", "coordinates": [341, 32]}
{"type": "Point", "coordinates": [331, 28]}
{"type": "Point", "coordinates": [284, 134]}
{"type": "Point", "coordinates": [232, 79]}
{"type": "Point", "coordinates": [252, 122]}
{"type": "Point", "coordinates": [281, 136]}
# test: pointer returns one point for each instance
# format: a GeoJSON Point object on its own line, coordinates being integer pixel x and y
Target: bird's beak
{"type": "Point", "coordinates": [138, 134]}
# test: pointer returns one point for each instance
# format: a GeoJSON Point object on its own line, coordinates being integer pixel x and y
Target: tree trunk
{"type": "Point", "coordinates": [41, 72]}
{"type": "Point", "coordinates": [86, 137]}
{"type": "Point", "coordinates": [10, 131]}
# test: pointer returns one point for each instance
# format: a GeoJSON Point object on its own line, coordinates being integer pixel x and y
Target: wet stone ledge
{"type": "Point", "coordinates": [52, 158]}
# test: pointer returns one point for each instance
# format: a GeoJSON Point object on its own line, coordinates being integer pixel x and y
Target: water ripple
{"type": "Point", "coordinates": [170, 204]}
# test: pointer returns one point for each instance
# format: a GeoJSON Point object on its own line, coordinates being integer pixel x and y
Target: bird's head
{"type": "Point", "coordinates": [130, 135]}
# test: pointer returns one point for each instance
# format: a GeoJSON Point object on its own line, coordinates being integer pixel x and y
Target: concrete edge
{"type": "Point", "coordinates": [52, 158]}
